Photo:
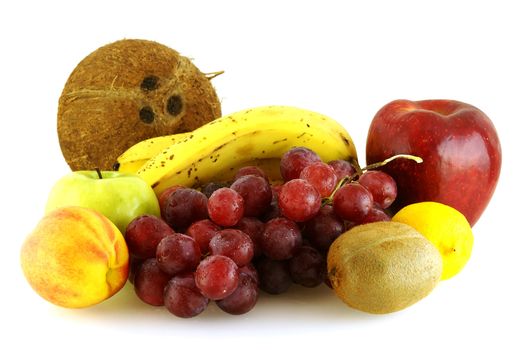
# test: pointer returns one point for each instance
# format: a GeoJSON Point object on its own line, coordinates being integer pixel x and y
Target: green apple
{"type": "Point", "coordinates": [121, 197]}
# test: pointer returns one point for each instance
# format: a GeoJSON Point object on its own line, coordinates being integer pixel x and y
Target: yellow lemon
{"type": "Point", "coordinates": [446, 228]}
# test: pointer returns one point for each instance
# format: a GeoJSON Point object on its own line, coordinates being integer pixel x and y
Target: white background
{"type": "Point", "coordinates": [343, 59]}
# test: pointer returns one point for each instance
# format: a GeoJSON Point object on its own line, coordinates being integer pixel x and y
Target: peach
{"type": "Point", "coordinates": [75, 257]}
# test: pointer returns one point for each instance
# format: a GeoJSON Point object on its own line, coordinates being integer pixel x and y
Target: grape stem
{"type": "Point", "coordinates": [359, 171]}
{"type": "Point", "coordinates": [390, 159]}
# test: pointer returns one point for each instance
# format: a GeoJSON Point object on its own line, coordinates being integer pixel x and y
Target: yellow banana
{"type": "Point", "coordinates": [248, 135]}
{"type": "Point", "coordinates": [137, 155]}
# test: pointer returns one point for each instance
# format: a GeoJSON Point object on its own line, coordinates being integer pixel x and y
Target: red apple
{"type": "Point", "coordinates": [459, 146]}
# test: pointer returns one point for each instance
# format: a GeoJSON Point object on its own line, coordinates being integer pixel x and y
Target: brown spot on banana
{"type": "Point", "coordinates": [278, 141]}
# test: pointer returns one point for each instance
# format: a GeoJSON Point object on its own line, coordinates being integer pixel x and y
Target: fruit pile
{"type": "Point", "coordinates": [256, 200]}
{"type": "Point", "coordinates": [225, 241]}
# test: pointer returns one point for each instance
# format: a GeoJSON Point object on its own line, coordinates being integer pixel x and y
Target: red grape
{"type": "Point", "coordinates": [352, 202]}
{"type": "Point", "coordinates": [162, 199]}
{"type": "Point", "coordinates": [250, 170]}
{"type": "Point", "coordinates": [178, 253]}
{"type": "Point", "coordinates": [321, 176]}
{"type": "Point", "coordinates": [280, 239]}
{"type": "Point", "coordinates": [143, 235]}
{"type": "Point", "coordinates": [225, 206]}
{"type": "Point", "coordinates": [342, 168]}
{"type": "Point", "coordinates": [375, 214]}
{"type": "Point", "coordinates": [274, 275]}
{"type": "Point", "coordinates": [243, 299]}
{"type": "Point", "coordinates": [381, 185]}
{"type": "Point", "coordinates": [250, 271]}
{"type": "Point", "coordinates": [253, 227]}
{"type": "Point", "coordinates": [203, 231]}
{"type": "Point", "coordinates": [324, 228]}
{"type": "Point", "coordinates": [307, 267]}
{"type": "Point", "coordinates": [217, 277]}
{"type": "Point", "coordinates": [256, 193]}
{"type": "Point", "coordinates": [299, 200]}
{"type": "Point", "coordinates": [209, 188]}
{"type": "Point", "coordinates": [274, 209]}
{"type": "Point", "coordinates": [294, 160]}
{"type": "Point", "coordinates": [182, 298]}
{"type": "Point", "coordinates": [183, 207]}
{"type": "Point", "coordinates": [134, 265]}
{"type": "Point", "coordinates": [276, 188]}
{"type": "Point", "coordinates": [234, 244]}
{"type": "Point", "coordinates": [149, 282]}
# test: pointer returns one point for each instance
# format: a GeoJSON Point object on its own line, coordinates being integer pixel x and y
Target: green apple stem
{"type": "Point", "coordinates": [360, 171]}
{"type": "Point", "coordinates": [99, 173]}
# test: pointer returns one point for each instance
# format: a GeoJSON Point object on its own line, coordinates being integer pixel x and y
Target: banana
{"type": "Point", "coordinates": [249, 135]}
{"type": "Point", "coordinates": [137, 155]}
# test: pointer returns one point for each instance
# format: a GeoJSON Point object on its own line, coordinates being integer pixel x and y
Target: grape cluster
{"type": "Point", "coordinates": [227, 241]}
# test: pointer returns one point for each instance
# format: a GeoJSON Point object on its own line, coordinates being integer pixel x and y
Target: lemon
{"type": "Point", "coordinates": [446, 228]}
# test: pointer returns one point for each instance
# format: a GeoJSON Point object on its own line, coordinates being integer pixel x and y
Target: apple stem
{"type": "Point", "coordinates": [360, 171]}
{"type": "Point", "coordinates": [99, 173]}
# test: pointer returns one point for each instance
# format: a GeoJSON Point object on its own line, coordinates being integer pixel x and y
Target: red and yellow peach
{"type": "Point", "coordinates": [75, 257]}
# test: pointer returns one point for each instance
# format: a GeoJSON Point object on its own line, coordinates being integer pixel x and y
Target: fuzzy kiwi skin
{"type": "Point", "coordinates": [383, 267]}
{"type": "Point", "coordinates": [125, 92]}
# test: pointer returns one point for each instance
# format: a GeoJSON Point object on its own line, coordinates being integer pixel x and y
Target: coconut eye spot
{"type": "Point", "coordinates": [149, 83]}
{"type": "Point", "coordinates": [174, 105]}
{"type": "Point", "coordinates": [147, 115]}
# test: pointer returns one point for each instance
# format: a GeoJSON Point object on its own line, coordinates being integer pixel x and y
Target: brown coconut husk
{"type": "Point", "coordinates": [128, 91]}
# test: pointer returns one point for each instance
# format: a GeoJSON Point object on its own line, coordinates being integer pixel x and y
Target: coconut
{"type": "Point", "coordinates": [128, 91]}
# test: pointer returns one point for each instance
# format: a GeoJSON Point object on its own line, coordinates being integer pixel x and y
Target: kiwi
{"type": "Point", "coordinates": [125, 92]}
{"type": "Point", "coordinates": [383, 267]}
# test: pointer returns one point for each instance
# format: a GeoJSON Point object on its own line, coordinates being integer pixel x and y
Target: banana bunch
{"type": "Point", "coordinates": [215, 151]}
